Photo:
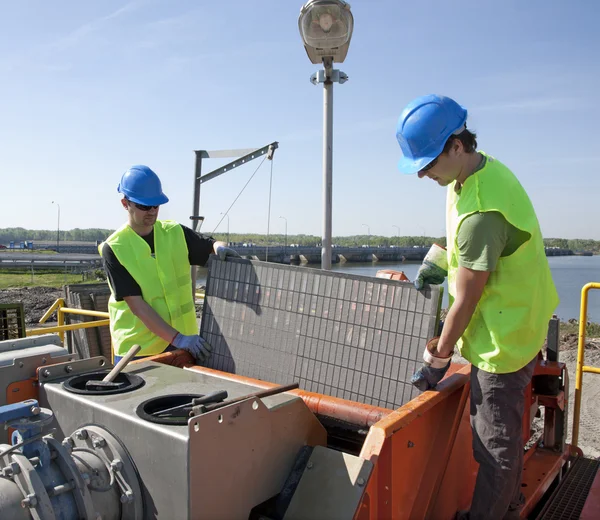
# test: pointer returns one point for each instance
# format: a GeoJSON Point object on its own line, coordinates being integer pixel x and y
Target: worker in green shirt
{"type": "Point", "coordinates": [500, 286]}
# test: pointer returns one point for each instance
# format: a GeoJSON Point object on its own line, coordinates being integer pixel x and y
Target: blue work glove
{"type": "Point", "coordinates": [433, 370]}
{"type": "Point", "coordinates": [224, 252]}
{"type": "Point", "coordinates": [195, 345]}
{"type": "Point", "coordinates": [434, 268]}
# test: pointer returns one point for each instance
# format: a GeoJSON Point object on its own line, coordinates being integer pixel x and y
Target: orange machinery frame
{"type": "Point", "coordinates": [422, 456]}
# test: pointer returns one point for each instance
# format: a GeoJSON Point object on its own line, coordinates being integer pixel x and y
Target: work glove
{"type": "Point", "coordinates": [225, 252]}
{"type": "Point", "coordinates": [195, 345]}
{"type": "Point", "coordinates": [434, 367]}
{"type": "Point", "coordinates": [434, 268]}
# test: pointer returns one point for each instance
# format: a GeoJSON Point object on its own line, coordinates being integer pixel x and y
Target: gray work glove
{"type": "Point", "coordinates": [224, 252]}
{"type": "Point", "coordinates": [195, 345]}
{"type": "Point", "coordinates": [434, 268]}
{"type": "Point", "coordinates": [433, 370]}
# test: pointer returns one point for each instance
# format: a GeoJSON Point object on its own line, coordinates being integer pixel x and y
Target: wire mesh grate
{"type": "Point", "coordinates": [354, 337]}
{"type": "Point", "coordinates": [12, 321]}
{"type": "Point", "coordinates": [569, 498]}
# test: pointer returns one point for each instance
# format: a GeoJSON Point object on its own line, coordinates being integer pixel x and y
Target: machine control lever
{"type": "Point", "coordinates": [213, 397]}
{"type": "Point", "coordinates": [201, 408]}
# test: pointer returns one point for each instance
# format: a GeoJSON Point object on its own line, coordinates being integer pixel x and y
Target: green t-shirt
{"type": "Point", "coordinates": [485, 237]}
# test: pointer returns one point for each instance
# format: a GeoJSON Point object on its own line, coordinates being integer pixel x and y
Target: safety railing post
{"type": "Point", "coordinates": [61, 322]}
{"type": "Point", "coordinates": [581, 368]}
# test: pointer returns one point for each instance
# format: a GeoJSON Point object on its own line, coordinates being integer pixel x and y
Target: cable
{"type": "Point", "coordinates": [240, 193]}
{"type": "Point", "coordinates": [27, 441]}
{"type": "Point", "coordinates": [269, 211]}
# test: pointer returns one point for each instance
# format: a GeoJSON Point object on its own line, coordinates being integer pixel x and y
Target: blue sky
{"type": "Point", "coordinates": [89, 88]}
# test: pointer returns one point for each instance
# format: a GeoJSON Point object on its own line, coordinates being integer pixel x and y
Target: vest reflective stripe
{"type": "Point", "coordinates": [166, 286]}
{"type": "Point", "coordinates": [510, 322]}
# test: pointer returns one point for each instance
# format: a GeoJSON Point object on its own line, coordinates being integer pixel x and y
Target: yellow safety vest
{"type": "Point", "coordinates": [510, 322]}
{"type": "Point", "coordinates": [165, 280]}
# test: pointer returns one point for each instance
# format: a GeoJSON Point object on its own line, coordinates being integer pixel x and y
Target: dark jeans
{"type": "Point", "coordinates": [168, 349]}
{"type": "Point", "coordinates": [497, 407]}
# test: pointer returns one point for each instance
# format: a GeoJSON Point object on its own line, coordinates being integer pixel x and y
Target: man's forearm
{"type": "Point", "coordinates": [456, 323]}
{"type": "Point", "coordinates": [151, 318]}
{"type": "Point", "coordinates": [469, 289]}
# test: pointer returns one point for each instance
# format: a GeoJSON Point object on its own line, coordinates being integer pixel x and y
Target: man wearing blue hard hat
{"type": "Point", "coordinates": [148, 262]}
{"type": "Point", "coordinates": [500, 286]}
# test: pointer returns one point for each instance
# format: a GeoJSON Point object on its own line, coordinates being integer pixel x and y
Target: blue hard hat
{"type": "Point", "coordinates": [424, 127]}
{"type": "Point", "coordinates": [140, 184]}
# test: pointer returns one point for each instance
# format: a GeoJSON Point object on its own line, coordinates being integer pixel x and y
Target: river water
{"type": "Point", "coordinates": [570, 274]}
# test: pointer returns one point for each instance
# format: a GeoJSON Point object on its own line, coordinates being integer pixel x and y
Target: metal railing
{"type": "Point", "coordinates": [59, 307]}
{"type": "Point", "coordinates": [61, 328]}
{"type": "Point", "coordinates": [581, 368]}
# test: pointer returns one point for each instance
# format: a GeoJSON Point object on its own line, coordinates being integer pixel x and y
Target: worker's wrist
{"type": "Point", "coordinates": [443, 350]}
{"type": "Point", "coordinates": [172, 342]}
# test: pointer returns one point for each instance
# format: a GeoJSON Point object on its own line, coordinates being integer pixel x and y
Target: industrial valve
{"type": "Point", "coordinates": [89, 475]}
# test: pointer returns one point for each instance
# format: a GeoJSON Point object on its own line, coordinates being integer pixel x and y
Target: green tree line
{"type": "Point", "coordinates": [91, 235]}
{"type": "Point", "coordinates": [315, 241]}
{"type": "Point", "coordinates": [576, 244]}
{"type": "Point", "coordinates": [81, 235]}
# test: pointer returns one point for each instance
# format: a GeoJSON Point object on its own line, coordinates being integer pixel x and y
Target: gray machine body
{"type": "Point", "coordinates": [204, 467]}
{"type": "Point", "coordinates": [19, 361]}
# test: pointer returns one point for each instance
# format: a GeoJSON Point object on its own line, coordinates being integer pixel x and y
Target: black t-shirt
{"type": "Point", "coordinates": [123, 284]}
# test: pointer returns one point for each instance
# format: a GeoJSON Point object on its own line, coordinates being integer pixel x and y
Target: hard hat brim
{"type": "Point", "coordinates": [409, 166]}
{"type": "Point", "coordinates": [150, 201]}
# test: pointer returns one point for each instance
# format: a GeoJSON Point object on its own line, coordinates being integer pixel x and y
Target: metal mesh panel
{"type": "Point", "coordinates": [354, 337]}
{"type": "Point", "coordinates": [569, 498]}
{"type": "Point", "coordinates": [12, 321]}
{"type": "Point", "coordinates": [94, 341]}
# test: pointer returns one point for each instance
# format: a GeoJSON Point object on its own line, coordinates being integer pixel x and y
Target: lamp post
{"type": "Point", "coordinates": [326, 29]}
{"type": "Point", "coordinates": [57, 226]}
{"type": "Point", "coordinates": [285, 243]}
{"type": "Point", "coordinates": [398, 232]}
{"type": "Point", "coordinates": [368, 235]}
{"type": "Point", "coordinates": [227, 215]}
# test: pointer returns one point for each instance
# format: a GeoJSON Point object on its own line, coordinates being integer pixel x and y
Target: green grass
{"type": "Point", "coordinates": [28, 251]}
{"type": "Point", "coordinates": [12, 279]}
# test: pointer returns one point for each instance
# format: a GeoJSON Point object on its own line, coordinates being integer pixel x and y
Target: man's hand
{"type": "Point", "coordinates": [224, 252]}
{"type": "Point", "coordinates": [434, 367]}
{"type": "Point", "coordinates": [195, 345]}
{"type": "Point", "coordinates": [434, 268]}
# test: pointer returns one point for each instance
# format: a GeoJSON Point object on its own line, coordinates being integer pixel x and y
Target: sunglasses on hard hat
{"type": "Point", "coordinates": [142, 207]}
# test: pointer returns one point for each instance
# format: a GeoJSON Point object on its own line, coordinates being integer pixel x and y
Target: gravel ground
{"type": "Point", "coordinates": [36, 301]}
{"type": "Point", "coordinates": [589, 425]}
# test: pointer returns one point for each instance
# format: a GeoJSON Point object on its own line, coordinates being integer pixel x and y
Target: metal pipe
{"type": "Point", "coordinates": [84, 312]}
{"type": "Point", "coordinates": [580, 357]}
{"type": "Point", "coordinates": [61, 328]}
{"type": "Point", "coordinates": [58, 303]}
{"type": "Point", "coordinates": [591, 370]}
{"type": "Point", "coordinates": [61, 323]}
{"type": "Point", "coordinates": [201, 408]}
{"type": "Point", "coordinates": [327, 164]}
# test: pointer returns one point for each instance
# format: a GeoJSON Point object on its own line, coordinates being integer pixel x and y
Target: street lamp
{"type": "Point", "coordinates": [326, 29]}
{"type": "Point", "coordinates": [398, 228]}
{"type": "Point", "coordinates": [57, 226]}
{"type": "Point", "coordinates": [368, 234]}
{"type": "Point", "coordinates": [227, 215]}
{"type": "Point", "coordinates": [285, 243]}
